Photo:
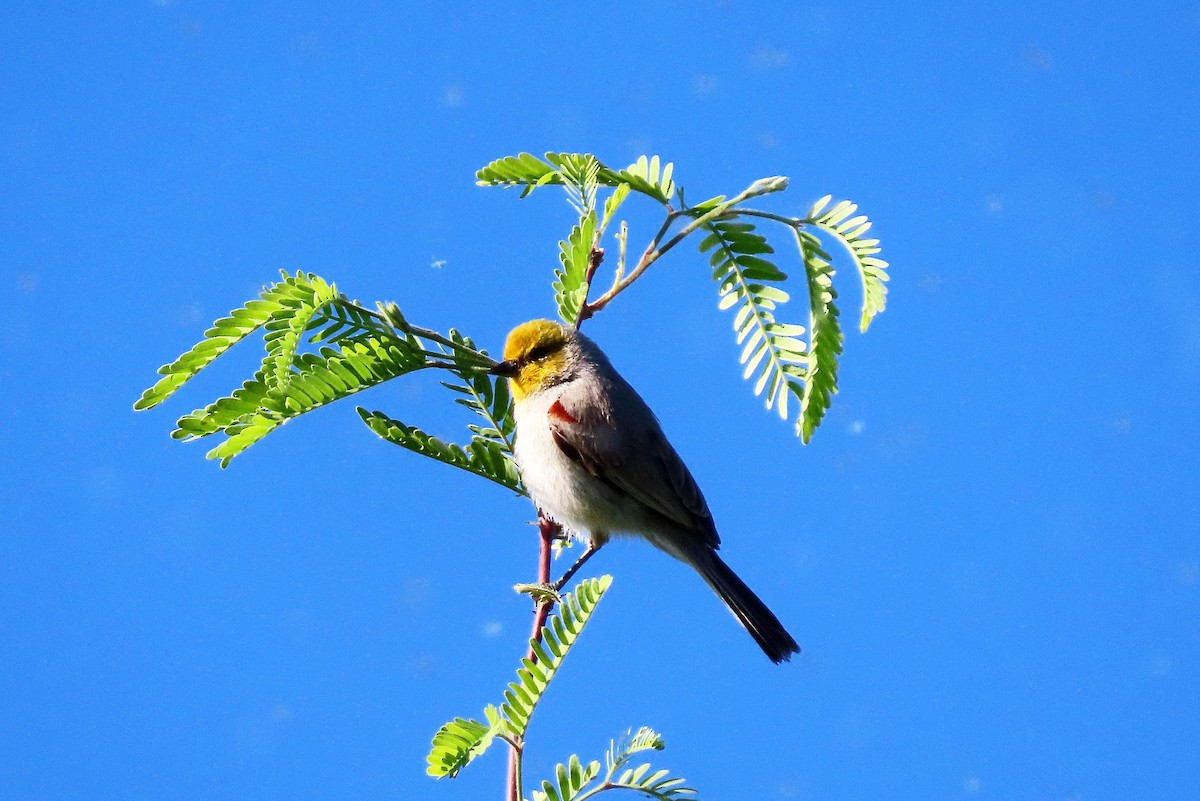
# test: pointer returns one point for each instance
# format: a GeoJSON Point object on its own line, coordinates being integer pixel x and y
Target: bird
{"type": "Point", "coordinates": [595, 460]}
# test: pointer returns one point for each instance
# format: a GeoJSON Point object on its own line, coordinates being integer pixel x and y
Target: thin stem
{"type": "Point", "coordinates": [358, 307]}
{"type": "Point", "coordinates": [649, 256]}
{"type": "Point", "coordinates": [433, 354]}
{"type": "Point", "coordinates": [586, 310]}
{"type": "Point", "coordinates": [487, 413]}
{"type": "Point", "coordinates": [548, 531]}
{"type": "Point", "coordinates": [513, 781]}
{"type": "Point", "coordinates": [517, 788]}
{"type": "Point", "coordinates": [791, 222]}
{"type": "Point", "coordinates": [423, 333]}
{"type": "Point", "coordinates": [513, 790]}
{"type": "Point", "coordinates": [441, 365]}
{"type": "Point", "coordinates": [594, 791]}
{"type": "Point", "coordinates": [653, 252]}
{"type": "Point", "coordinates": [458, 347]}
{"type": "Point", "coordinates": [595, 256]}
{"type": "Point", "coordinates": [622, 241]}
{"type": "Point", "coordinates": [668, 221]}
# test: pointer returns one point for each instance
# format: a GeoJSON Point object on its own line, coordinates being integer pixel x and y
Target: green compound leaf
{"type": "Point", "coordinates": [276, 302]}
{"type": "Point", "coordinates": [484, 456]}
{"type": "Point", "coordinates": [524, 170]}
{"type": "Point", "coordinates": [570, 780]}
{"type": "Point", "coordinates": [344, 321]}
{"type": "Point", "coordinates": [825, 339]}
{"type": "Point", "coordinates": [362, 348]}
{"type": "Point", "coordinates": [460, 741]}
{"type": "Point", "coordinates": [316, 379]}
{"type": "Point", "coordinates": [659, 784]}
{"type": "Point", "coordinates": [620, 751]}
{"type": "Point", "coordinates": [289, 323]}
{"type": "Point", "coordinates": [560, 633]}
{"type": "Point", "coordinates": [253, 397]}
{"type": "Point", "coordinates": [612, 203]}
{"type": "Point", "coordinates": [489, 453]}
{"type": "Point", "coordinates": [574, 780]}
{"type": "Point", "coordinates": [580, 174]}
{"type": "Point", "coordinates": [840, 222]}
{"type": "Point", "coordinates": [570, 282]}
{"type": "Point", "coordinates": [648, 176]}
{"type": "Point", "coordinates": [484, 394]}
{"type": "Point", "coordinates": [771, 351]}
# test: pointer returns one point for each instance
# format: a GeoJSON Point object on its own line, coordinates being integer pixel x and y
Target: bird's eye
{"type": "Point", "coordinates": [541, 352]}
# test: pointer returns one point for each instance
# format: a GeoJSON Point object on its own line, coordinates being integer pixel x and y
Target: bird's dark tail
{"type": "Point", "coordinates": [751, 612]}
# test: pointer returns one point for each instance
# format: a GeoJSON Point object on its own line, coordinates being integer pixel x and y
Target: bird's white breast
{"type": "Point", "coordinates": [559, 487]}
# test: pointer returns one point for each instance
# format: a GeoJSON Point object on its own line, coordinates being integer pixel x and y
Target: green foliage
{"type": "Point", "coordinates": [645, 176]}
{"type": "Point", "coordinates": [570, 283]}
{"type": "Point", "coordinates": [483, 457]}
{"type": "Point", "coordinates": [559, 634]}
{"type": "Point", "coordinates": [460, 741]}
{"type": "Point", "coordinates": [613, 203]}
{"type": "Point", "coordinates": [322, 347]}
{"type": "Point", "coordinates": [524, 170]}
{"type": "Point", "coordinates": [359, 349]}
{"type": "Point", "coordinates": [580, 174]}
{"type": "Point", "coordinates": [571, 780]}
{"type": "Point", "coordinates": [659, 784]}
{"type": "Point", "coordinates": [825, 339]}
{"type": "Point", "coordinates": [485, 395]}
{"type": "Point", "coordinates": [312, 380]}
{"type": "Point", "coordinates": [776, 357]}
{"type": "Point", "coordinates": [343, 321]}
{"type": "Point", "coordinates": [276, 304]}
{"type": "Point", "coordinates": [850, 231]}
{"type": "Point", "coordinates": [771, 351]}
{"type": "Point", "coordinates": [620, 751]}
{"type": "Point", "coordinates": [457, 743]}
{"type": "Point", "coordinates": [288, 324]}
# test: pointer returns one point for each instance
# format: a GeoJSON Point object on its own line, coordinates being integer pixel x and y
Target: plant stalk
{"type": "Point", "coordinates": [654, 252]}
{"type": "Point", "coordinates": [549, 531]}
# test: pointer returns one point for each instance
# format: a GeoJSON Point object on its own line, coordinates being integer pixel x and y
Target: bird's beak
{"type": "Point", "coordinates": [505, 369]}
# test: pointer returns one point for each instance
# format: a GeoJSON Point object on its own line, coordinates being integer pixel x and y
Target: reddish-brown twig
{"type": "Point", "coordinates": [549, 531]}
{"type": "Point", "coordinates": [594, 260]}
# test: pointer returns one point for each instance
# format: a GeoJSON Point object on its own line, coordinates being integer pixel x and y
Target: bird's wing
{"type": "Point", "coordinates": [636, 460]}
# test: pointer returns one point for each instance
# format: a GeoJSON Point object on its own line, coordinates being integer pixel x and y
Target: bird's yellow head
{"type": "Point", "coordinates": [535, 354]}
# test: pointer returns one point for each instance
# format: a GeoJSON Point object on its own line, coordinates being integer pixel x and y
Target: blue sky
{"type": "Point", "coordinates": [989, 553]}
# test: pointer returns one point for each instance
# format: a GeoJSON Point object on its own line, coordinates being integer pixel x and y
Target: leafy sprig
{"type": "Point", "coordinates": [850, 232]}
{"type": "Point", "coordinates": [322, 347]}
{"type": "Point", "coordinates": [276, 303]}
{"type": "Point", "coordinates": [782, 359]}
{"type": "Point", "coordinates": [461, 740]}
{"type": "Point", "coordinates": [771, 350]}
{"type": "Point", "coordinates": [574, 781]}
{"type": "Point", "coordinates": [356, 349]}
{"type": "Point", "coordinates": [825, 337]}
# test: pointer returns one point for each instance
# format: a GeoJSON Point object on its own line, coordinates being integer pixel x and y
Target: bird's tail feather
{"type": "Point", "coordinates": [751, 612]}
